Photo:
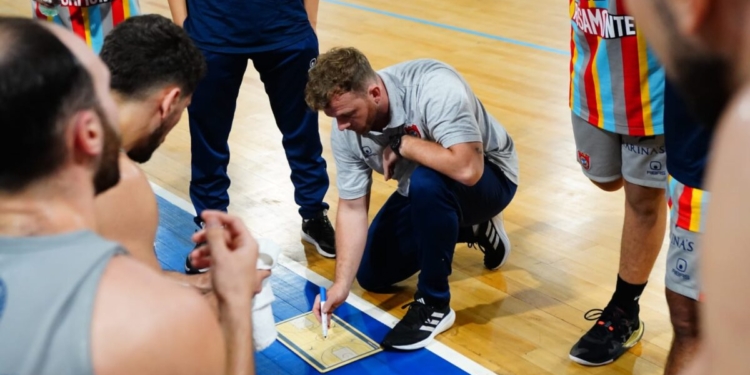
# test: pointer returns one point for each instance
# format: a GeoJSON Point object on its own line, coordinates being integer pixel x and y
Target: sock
{"type": "Point", "coordinates": [627, 295]}
{"type": "Point", "coordinates": [430, 301]}
{"type": "Point", "coordinates": [466, 235]}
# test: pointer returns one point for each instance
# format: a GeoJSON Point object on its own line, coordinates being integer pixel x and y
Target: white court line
{"type": "Point", "coordinates": [368, 308]}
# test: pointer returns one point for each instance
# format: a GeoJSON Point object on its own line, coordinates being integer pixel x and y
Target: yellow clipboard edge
{"type": "Point", "coordinates": [376, 348]}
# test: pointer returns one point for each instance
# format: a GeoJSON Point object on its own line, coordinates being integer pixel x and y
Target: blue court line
{"type": "Point", "coordinates": [294, 296]}
{"type": "Point", "coordinates": [449, 27]}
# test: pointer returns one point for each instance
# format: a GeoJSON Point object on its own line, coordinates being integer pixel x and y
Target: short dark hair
{"type": "Point", "coordinates": [336, 72]}
{"type": "Point", "coordinates": [147, 51]}
{"type": "Point", "coordinates": [42, 84]}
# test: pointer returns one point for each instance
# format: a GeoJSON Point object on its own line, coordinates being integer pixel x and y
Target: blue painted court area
{"type": "Point", "coordinates": [294, 296]}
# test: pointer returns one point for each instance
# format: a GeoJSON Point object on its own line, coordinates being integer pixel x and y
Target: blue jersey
{"type": "Point", "coordinates": [246, 26]}
{"type": "Point", "coordinates": [687, 141]}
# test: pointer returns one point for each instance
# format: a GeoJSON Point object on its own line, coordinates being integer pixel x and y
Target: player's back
{"type": "Point", "coordinates": [91, 20]}
{"type": "Point", "coordinates": [616, 82]}
{"type": "Point", "coordinates": [70, 306]}
{"type": "Point", "coordinates": [48, 286]}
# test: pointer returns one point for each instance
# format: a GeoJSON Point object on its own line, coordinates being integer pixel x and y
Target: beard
{"type": "Point", "coordinates": [108, 173]}
{"type": "Point", "coordinates": [142, 153]}
{"type": "Point", "coordinates": [702, 77]}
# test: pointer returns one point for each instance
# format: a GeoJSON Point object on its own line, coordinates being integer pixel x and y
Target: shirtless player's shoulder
{"type": "Point", "coordinates": [137, 219]}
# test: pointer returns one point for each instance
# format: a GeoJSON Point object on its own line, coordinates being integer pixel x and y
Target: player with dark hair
{"type": "Point", "coordinates": [72, 302]}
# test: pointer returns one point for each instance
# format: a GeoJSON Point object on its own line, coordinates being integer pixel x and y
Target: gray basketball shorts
{"type": "Point", "coordinates": [606, 156]}
{"type": "Point", "coordinates": [686, 223]}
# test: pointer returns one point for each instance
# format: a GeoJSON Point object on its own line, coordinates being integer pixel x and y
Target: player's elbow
{"type": "Point", "coordinates": [470, 175]}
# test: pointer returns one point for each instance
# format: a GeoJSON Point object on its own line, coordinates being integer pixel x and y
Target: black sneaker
{"type": "Point", "coordinates": [319, 232]}
{"type": "Point", "coordinates": [493, 241]}
{"type": "Point", "coordinates": [612, 335]}
{"type": "Point", "coordinates": [189, 269]}
{"type": "Point", "coordinates": [419, 326]}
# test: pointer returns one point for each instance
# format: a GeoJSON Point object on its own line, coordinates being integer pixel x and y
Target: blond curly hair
{"type": "Point", "coordinates": [338, 71]}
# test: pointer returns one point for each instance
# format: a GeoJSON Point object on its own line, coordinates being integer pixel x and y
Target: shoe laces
{"type": "Point", "coordinates": [471, 245]}
{"type": "Point", "coordinates": [422, 311]}
{"type": "Point", "coordinates": [324, 225]}
{"type": "Point", "coordinates": [609, 321]}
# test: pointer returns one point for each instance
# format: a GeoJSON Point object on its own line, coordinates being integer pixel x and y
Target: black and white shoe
{"type": "Point", "coordinates": [189, 269]}
{"type": "Point", "coordinates": [419, 326]}
{"type": "Point", "coordinates": [493, 241]}
{"type": "Point", "coordinates": [319, 232]}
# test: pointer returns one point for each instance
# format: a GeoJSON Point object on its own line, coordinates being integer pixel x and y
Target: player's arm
{"type": "Point", "coordinates": [163, 329]}
{"type": "Point", "coordinates": [160, 327]}
{"type": "Point", "coordinates": [462, 162]}
{"type": "Point", "coordinates": [458, 151]}
{"type": "Point", "coordinates": [311, 6]}
{"type": "Point", "coordinates": [351, 236]}
{"type": "Point", "coordinates": [128, 214]}
{"type": "Point", "coordinates": [725, 259]}
{"type": "Point", "coordinates": [178, 8]}
{"type": "Point", "coordinates": [354, 181]}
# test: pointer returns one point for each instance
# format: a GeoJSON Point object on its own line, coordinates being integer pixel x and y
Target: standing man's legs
{"type": "Point", "coordinates": [211, 113]}
{"type": "Point", "coordinates": [284, 73]}
{"type": "Point", "coordinates": [639, 163]}
{"type": "Point", "coordinates": [682, 276]}
{"type": "Point", "coordinates": [419, 233]}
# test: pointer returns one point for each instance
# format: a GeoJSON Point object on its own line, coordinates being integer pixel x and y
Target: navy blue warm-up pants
{"type": "Point", "coordinates": [420, 232]}
{"type": "Point", "coordinates": [284, 74]}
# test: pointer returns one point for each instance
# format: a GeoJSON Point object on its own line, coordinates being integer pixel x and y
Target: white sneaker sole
{"type": "Point", "coordinates": [444, 325]}
{"type": "Point", "coordinates": [307, 238]}
{"type": "Point", "coordinates": [498, 223]}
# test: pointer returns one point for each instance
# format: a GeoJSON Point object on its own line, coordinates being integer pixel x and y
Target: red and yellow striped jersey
{"type": "Point", "coordinates": [616, 82]}
{"type": "Point", "coordinates": [90, 19]}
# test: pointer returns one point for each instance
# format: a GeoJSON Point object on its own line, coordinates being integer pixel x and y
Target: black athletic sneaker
{"type": "Point", "coordinates": [319, 232]}
{"type": "Point", "coordinates": [419, 326]}
{"type": "Point", "coordinates": [612, 335]}
{"type": "Point", "coordinates": [189, 269]}
{"type": "Point", "coordinates": [493, 241]}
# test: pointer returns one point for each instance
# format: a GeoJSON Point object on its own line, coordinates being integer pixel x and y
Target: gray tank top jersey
{"type": "Point", "coordinates": [47, 290]}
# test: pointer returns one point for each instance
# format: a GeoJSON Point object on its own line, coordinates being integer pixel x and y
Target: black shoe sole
{"type": "Point", "coordinates": [632, 342]}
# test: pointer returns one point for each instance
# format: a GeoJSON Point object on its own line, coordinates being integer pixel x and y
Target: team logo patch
{"type": "Point", "coordinates": [656, 168]}
{"type": "Point", "coordinates": [413, 130]}
{"type": "Point", "coordinates": [680, 269]}
{"type": "Point", "coordinates": [584, 159]}
{"type": "Point", "coordinates": [366, 151]}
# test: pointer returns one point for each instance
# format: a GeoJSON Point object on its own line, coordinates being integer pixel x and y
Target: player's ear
{"type": "Point", "coordinates": [374, 91]}
{"type": "Point", "coordinates": [692, 15]}
{"type": "Point", "coordinates": [169, 101]}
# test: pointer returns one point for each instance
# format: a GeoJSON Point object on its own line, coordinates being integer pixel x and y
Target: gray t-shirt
{"type": "Point", "coordinates": [433, 101]}
{"type": "Point", "coordinates": [47, 289]}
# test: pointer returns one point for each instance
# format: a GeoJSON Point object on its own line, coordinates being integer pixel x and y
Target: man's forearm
{"type": "Point", "coordinates": [311, 6]}
{"type": "Point", "coordinates": [178, 8]}
{"type": "Point", "coordinates": [464, 168]}
{"type": "Point", "coordinates": [351, 237]}
{"type": "Point", "coordinates": [236, 323]}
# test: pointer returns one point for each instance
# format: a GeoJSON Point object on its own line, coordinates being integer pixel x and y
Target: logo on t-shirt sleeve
{"type": "Point", "coordinates": [413, 130]}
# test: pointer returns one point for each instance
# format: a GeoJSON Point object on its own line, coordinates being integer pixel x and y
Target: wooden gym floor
{"type": "Point", "coordinates": [565, 233]}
